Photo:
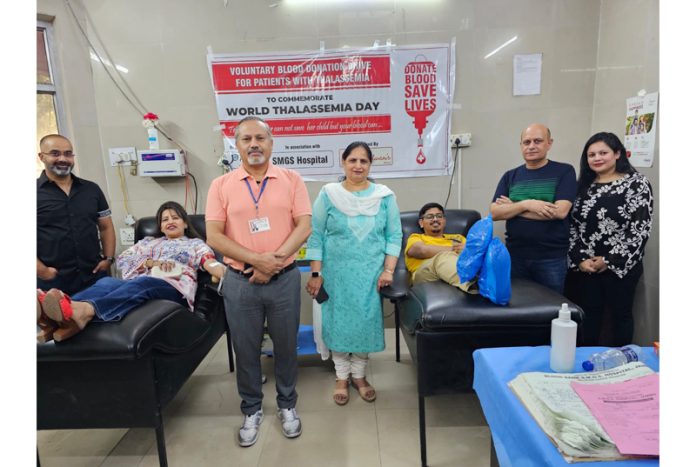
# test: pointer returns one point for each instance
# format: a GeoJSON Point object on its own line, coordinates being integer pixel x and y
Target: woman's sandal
{"type": "Point", "coordinates": [46, 325]}
{"type": "Point", "coordinates": [367, 392]}
{"type": "Point", "coordinates": [340, 394]}
{"type": "Point", "coordinates": [57, 306]}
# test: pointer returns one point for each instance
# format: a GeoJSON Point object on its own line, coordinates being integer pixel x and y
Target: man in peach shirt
{"type": "Point", "coordinates": [258, 216]}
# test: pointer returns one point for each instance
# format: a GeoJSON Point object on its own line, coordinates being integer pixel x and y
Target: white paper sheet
{"type": "Point", "coordinates": [526, 75]}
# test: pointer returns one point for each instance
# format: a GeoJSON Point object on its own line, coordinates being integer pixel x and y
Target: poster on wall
{"type": "Point", "coordinates": [641, 124]}
{"type": "Point", "coordinates": [396, 99]}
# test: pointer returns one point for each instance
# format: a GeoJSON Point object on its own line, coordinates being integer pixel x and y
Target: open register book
{"type": "Point", "coordinates": [564, 417]}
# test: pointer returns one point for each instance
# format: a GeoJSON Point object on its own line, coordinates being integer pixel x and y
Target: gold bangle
{"type": "Point", "coordinates": [389, 271]}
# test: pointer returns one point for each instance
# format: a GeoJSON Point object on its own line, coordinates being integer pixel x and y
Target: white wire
{"type": "Point", "coordinates": [124, 191]}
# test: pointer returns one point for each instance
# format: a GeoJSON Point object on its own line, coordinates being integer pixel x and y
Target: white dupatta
{"type": "Point", "coordinates": [351, 205]}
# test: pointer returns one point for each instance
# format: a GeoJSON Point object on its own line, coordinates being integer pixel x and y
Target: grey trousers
{"type": "Point", "coordinates": [247, 307]}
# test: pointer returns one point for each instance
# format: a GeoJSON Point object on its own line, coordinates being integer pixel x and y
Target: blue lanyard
{"type": "Point", "coordinates": [256, 200]}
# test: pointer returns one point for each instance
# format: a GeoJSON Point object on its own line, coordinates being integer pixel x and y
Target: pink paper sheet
{"type": "Point", "coordinates": [629, 412]}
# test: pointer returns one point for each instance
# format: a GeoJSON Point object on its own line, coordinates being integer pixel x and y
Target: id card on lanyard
{"type": "Point", "coordinates": [258, 224]}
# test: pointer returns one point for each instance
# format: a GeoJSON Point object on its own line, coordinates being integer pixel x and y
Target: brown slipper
{"type": "Point", "coordinates": [367, 392]}
{"type": "Point", "coordinates": [340, 393]}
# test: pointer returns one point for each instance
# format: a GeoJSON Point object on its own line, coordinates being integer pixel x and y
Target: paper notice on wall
{"type": "Point", "coordinates": [526, 75]}
{"type": "Point", "coordinates": [396, 99]}
{"type": "Point", "coordinates": [641, 128]}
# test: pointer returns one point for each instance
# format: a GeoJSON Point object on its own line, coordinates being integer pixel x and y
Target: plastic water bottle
{"type": "Point", "coordinates": [613, 357]}
{"type": "Point", "coordinates": [564, 332]}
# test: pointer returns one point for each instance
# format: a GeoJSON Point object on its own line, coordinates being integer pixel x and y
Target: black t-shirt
{"type": "Point", "coordinates": [534, 239]}
{"type": "Point", "coordinates": [67, 235]}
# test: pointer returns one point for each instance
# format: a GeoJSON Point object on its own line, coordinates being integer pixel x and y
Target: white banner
{"type": "Point", "coordinates": [396, 99]}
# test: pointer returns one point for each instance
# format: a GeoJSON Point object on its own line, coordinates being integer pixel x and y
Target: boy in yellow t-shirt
{"type": "Point", "coordinates": [432, 255]}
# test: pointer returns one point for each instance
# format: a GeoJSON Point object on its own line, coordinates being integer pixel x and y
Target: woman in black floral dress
{"type": "Point", "coordinates": [609, 227]}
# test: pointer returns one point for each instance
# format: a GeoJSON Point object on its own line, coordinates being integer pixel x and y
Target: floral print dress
{"type": "Point", "coordinates": [190, 253]}
{"type": "Point", "coordinates": [612, 220]}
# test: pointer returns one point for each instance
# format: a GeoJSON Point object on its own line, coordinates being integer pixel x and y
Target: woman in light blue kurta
{"type": "Point", "coordinates": [355, 242]}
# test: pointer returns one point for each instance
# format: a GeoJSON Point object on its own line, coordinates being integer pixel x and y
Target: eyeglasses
{"type": "Point", "coordinates": [429, 217]}
{"type": "Point", "coordinates": [67, 154]}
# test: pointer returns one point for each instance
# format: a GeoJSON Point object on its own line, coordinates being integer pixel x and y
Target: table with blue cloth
{"type": "Point", "coordinates": [519, 441]}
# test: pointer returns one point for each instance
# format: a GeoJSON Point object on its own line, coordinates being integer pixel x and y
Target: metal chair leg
{"type": "Point", "coordinates": [397, 325]}
{"type": "Point", "coordinates": [421, 422]}
{"type": "Point", "coordinates": [161, 446]}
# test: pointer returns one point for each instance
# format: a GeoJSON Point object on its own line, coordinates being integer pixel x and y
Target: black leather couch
{"type": "Point", "coordinates": [442, 325]}
{"type": "Point", "coordinates": [123, 374]}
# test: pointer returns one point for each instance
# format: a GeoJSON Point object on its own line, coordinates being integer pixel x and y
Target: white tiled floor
{"type": "Point", "coordinates": [201, 424]}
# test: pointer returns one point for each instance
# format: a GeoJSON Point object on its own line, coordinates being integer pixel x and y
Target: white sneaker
{"type": "Point", "coordinates": [249, 432]}
{"type": "Point", "coordinates": [292, 426]}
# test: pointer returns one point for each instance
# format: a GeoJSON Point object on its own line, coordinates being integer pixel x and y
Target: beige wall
{"type": "Point", "coordinates": [628, 61]}
{"type": "Point", "coordinates": [163, 45]}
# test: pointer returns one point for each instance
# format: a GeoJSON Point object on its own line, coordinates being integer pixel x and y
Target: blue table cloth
{"type": "Point", "coordinates": [518, 439]}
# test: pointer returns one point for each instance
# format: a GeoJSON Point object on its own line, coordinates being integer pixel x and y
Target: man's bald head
{"type": "Point", "coordinates": [537, 126]}
{"type": "Point", "coordinates": [535, 143]}
{"type": "Point", "coordinates": [57, 156]}
{"type": "Point", "coordinates": [46, 140]}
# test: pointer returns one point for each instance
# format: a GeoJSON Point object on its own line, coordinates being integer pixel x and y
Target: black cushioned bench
{"type": "Point", "coordinates": [442, 325]}
{"type": "Point", "coordinates": [123, 374]}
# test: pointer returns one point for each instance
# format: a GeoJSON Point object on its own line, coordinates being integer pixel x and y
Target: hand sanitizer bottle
{"type": "Point", "coordinates": [152, 138]}
{"type": "Point", "coordinates": [564, 333]}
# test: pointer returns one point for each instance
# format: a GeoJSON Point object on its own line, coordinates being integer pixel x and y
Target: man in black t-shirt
{"type": "Point", "coordinates": [75, 239]}
{"type": "Point", "coordinates": [534, 199]}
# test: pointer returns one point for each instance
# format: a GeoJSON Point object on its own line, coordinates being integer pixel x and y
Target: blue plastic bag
{"type": "Point", "coordinates": [477, 240]}
{"type": "Point", "coordinates": [494, 280]}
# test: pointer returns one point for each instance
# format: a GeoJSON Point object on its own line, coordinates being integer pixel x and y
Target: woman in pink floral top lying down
{"type": "Point", "coordinates": [161, 267]}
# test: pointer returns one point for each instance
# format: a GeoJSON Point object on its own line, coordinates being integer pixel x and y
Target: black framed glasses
{"type": "Point", "coordinates": [429, 217]}
{"type": "Point", "coordinates": [59, 153]}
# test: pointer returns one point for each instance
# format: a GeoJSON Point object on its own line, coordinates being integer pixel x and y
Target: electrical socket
{"type": "Point", "coordinates": [464, 140]}
{"type": "Point", "coordinates": [119, 156]}
{"type": "Point", "coordinates": [127, 236]}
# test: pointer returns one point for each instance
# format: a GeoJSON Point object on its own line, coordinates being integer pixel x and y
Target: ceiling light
{"type": "Point", "coordinates": [510, 41]}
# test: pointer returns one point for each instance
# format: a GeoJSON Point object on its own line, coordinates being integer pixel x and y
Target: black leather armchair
{"type": "Point", "coordinates": [123, 374]}
{"type": "Point", "coordinates": [442, 325]}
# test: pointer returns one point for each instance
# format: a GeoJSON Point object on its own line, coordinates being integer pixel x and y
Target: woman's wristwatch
{"type": "Point", "coordinates": [316, 273]}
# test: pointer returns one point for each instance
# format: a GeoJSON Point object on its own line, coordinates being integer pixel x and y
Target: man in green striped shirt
{"type": "Point", "coordinates": [534, 200]}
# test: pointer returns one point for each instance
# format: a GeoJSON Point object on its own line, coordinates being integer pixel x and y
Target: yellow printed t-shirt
{"type": "Point", "coordinates": [414, 263]}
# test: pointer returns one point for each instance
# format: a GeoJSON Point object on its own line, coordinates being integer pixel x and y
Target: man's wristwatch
{"type": "Point", "coordinates": [316, 273]}
{"type": "Point", "coordinates": [108, 258]}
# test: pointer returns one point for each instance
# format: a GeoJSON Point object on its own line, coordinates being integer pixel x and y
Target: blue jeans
{"type": "Point", "coordinates": [112, 299]}
{"type": "Point", "coordinates": [549, 272]}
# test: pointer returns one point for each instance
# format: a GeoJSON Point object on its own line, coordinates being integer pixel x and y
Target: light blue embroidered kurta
{"type": "Point", "coordinates": [352, 251]}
